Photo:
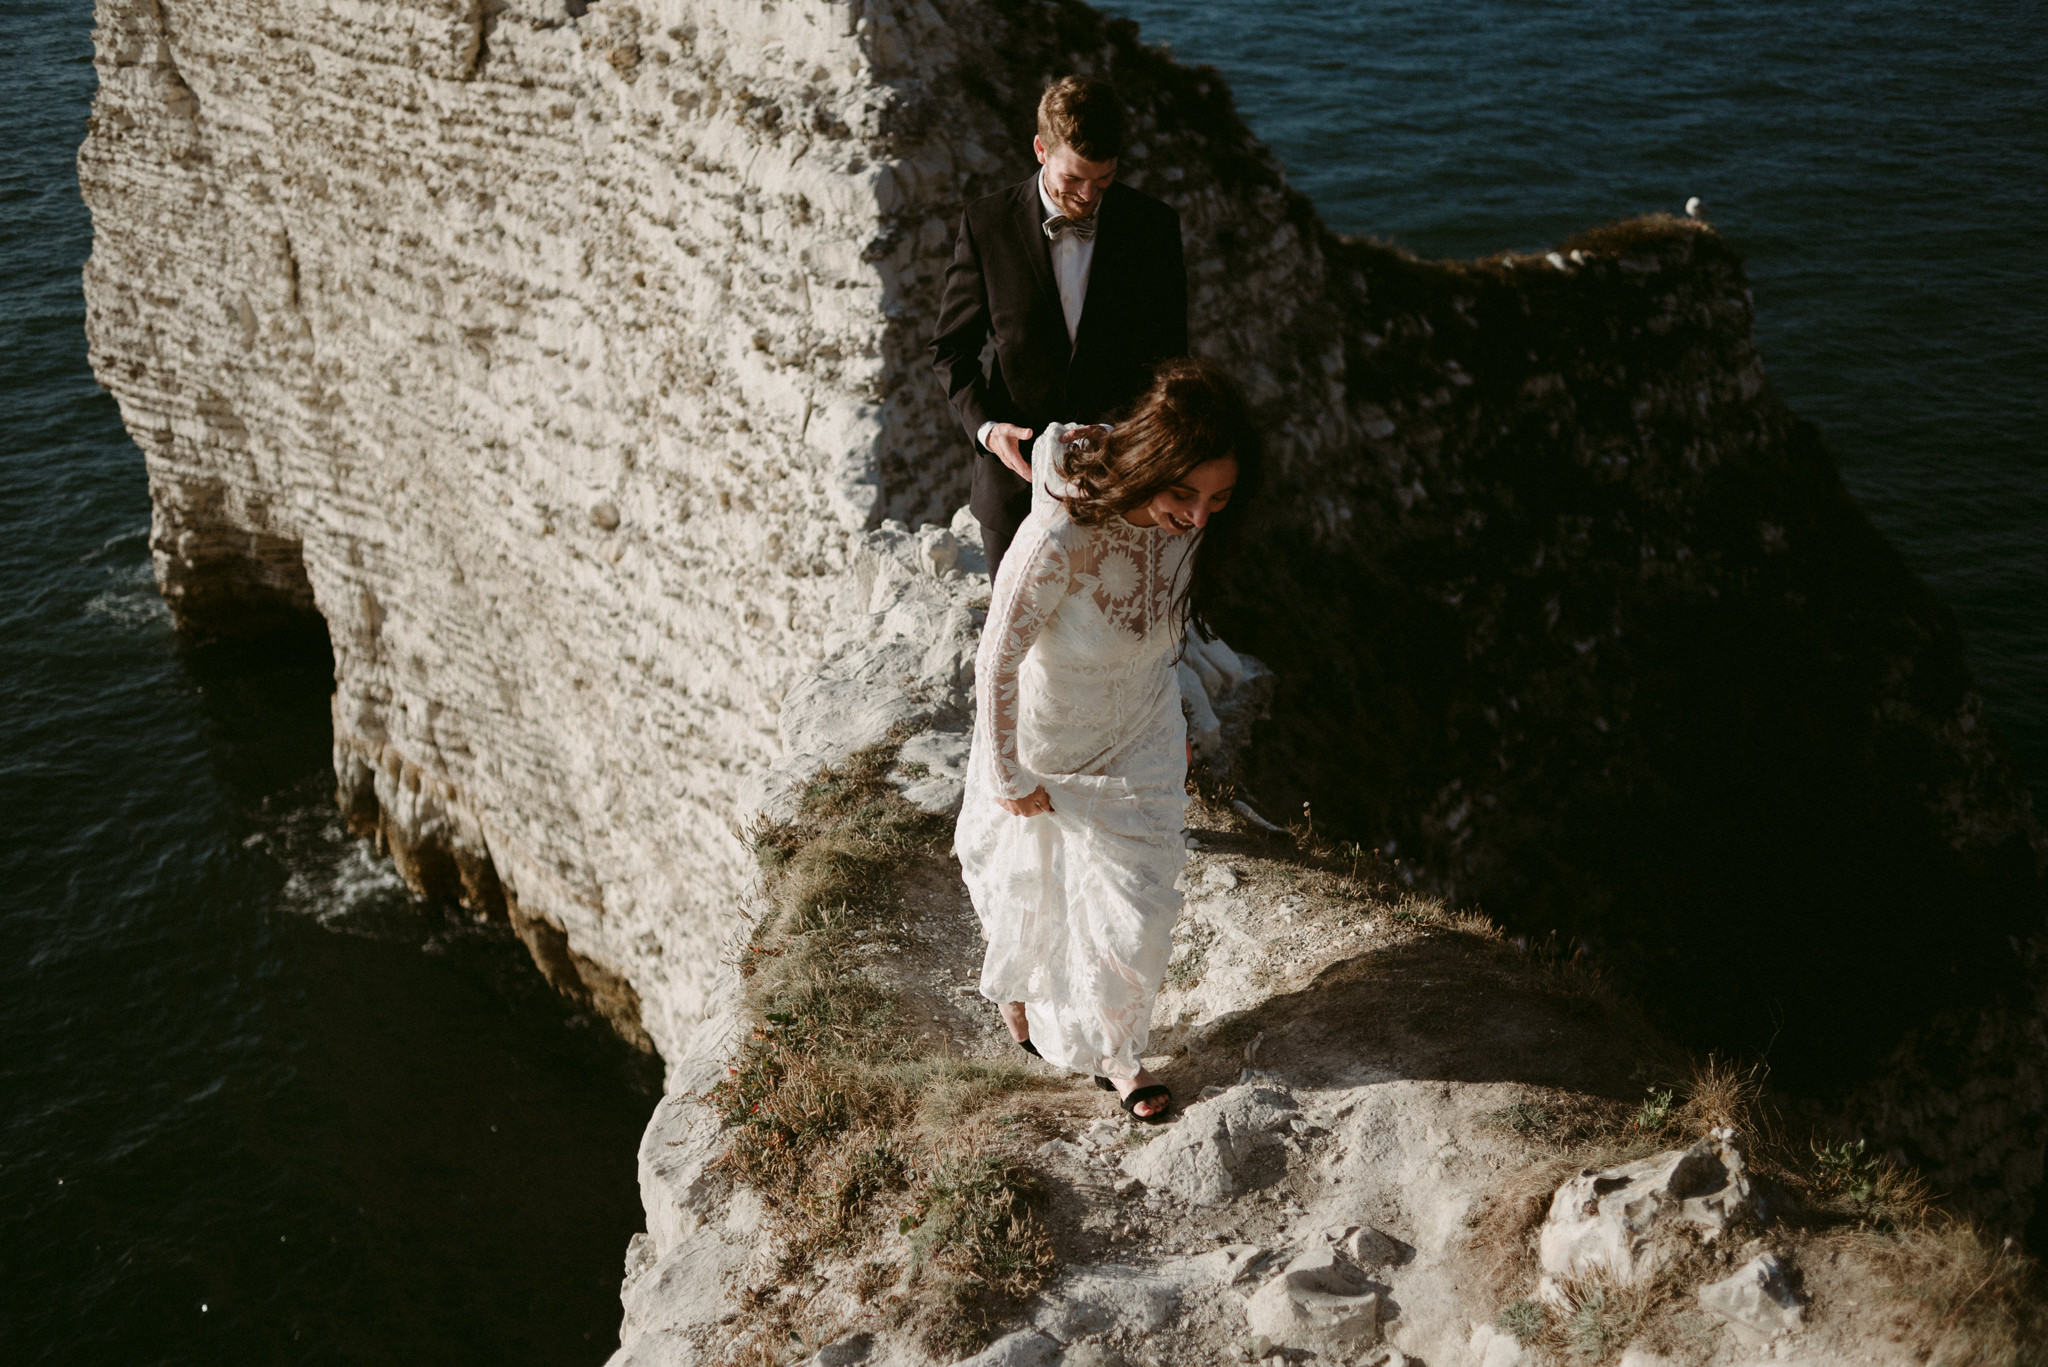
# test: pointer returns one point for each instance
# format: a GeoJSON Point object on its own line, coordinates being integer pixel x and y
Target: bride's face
{"type": "Point", "coordinates": [1189, 503]}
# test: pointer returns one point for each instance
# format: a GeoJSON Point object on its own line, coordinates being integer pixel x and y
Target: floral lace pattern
{"type": "Point", "coordinates": [1076, 692]}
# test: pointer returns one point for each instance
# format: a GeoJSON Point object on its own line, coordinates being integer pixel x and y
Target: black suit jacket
{"type": "Point", "coordinates": [1001, 282]}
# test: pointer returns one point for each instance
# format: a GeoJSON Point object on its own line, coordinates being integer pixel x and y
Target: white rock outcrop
{"type": "Point", "coordinates": [567, 360]}
{"type": "Point", "coordinates": [1614, 1222]}
{"type": "Point", "coordinates": [1205, 1158]}
{"type": "Point", "coordinates": [1089, 1300]}
{"type": "Point", "coordinates": [1318, 1301]}
{"type": "Point", "coordinates": [557, 353]}
{"type": "Point", "coordinates": [1025, 1348]}
{"type": "Point", "coordinates": [1757, 1299]}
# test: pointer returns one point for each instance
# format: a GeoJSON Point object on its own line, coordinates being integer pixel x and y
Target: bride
{"type": "Point", "coordinates": [1070, 831]}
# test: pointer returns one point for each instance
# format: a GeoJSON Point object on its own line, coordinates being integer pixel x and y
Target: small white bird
{"type": "Point", "coordinates": [1695, 207]}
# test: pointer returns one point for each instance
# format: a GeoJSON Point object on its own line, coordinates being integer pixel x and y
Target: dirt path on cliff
{"type": "Point", "coordinates": [1321, 975]}
{"type": "Point", "coordinates": [1336, 976]}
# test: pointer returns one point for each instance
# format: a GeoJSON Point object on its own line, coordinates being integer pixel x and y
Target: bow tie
{"type": "Point", "coordinates": [1060, 223]}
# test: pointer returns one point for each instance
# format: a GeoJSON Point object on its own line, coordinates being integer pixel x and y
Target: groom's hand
{"type": "Point", "coordinates": [1004, 439]}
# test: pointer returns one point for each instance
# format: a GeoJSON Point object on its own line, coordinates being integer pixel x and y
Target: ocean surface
{"type": "Point", "coordinates": [257, 1105]}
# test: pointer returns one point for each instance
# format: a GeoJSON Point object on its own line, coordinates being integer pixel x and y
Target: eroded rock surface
{"type": "Point", "coordinates": [1611, 1221]}
{"type": "Point", "coordinates": [1757, 1298]}
{"type": "Point", "coordinates": [1211, 1154]}
{"type": "Point", "coordinates": [1319, 1300]}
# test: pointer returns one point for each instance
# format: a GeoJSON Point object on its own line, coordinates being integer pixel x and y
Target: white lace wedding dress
{"type": "Point", "coordinates": [1076, 690]}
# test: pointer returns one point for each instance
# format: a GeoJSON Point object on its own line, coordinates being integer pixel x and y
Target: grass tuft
{"type": "Point", "coordinates": [1524, 1117]}
{"type": "Point", "coordinates": [1723, 1095]}
{"type": "Point", "coordinates": [851, 1135]}
{"type": "Point", "coordinates": [1966, 1301]}
{"type": "Point", "coordinates": [1525, 1319]}
{"type": "Point", "coordinates": [974, 1234]}
{"type": "Point", "coordinates": [1592, 1320]}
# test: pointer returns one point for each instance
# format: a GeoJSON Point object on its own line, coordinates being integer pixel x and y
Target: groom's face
{"type": "Point", "coordinates": [1075, 186]}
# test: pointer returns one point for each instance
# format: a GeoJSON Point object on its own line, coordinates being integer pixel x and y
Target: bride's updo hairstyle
{"type": "Point", "coordinates": [1193, 413]}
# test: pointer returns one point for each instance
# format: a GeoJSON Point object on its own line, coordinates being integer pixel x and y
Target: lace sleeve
{"type": "Point", "coordinates": [1048, 474]}
{"type": "Point", "coordinates": [1031, 585]}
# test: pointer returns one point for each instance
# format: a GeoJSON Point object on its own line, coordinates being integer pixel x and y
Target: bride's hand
{"type": "Point", "coordinates": [1036, 803]}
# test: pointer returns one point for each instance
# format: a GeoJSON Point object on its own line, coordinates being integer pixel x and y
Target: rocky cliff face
{"type": "Point", "coordinates": [561, 363]}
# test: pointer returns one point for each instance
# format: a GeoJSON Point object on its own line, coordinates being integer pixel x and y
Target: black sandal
{"type": "Point", "coordinates": [1151, 1093]}
{"type": "Point", "coordinates": [1104, 1083]}
{"type": "Point", "coordinates": [1025, 1044]}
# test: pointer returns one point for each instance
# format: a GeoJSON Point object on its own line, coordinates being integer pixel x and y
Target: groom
{"type": "Point", "coordinates": [1080, 280]}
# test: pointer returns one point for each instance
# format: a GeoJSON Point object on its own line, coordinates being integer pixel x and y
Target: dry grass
{"type": "Point", "coordinates": [975, 1237]}
{"type": "Point", "coordinates": [852, 1135]}
{"type": "Point", "coordinates": [1595, 1318]}
{"type": "Point", "coordinates": [1959, 1298]}
{"type": "Point", "coordinates": [1589, 1321]}
{"type": "Point", "coordinates": [1345, 870]}
{"type": "Point", "coordinates": [1964, 1301]}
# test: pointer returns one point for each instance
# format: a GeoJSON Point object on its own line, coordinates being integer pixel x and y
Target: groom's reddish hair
{"type": "Point", "coordinates": [1082, 113]}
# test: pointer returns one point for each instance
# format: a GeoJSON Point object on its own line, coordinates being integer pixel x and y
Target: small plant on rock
{"type": "Point", "coordinates": [1655, 1112]}
{"type": "Point", "coordinates": [1525, 1319]}
{"type": "Point", "coordinates": [1869, 1187]}
{"type": "Point", "coordinates": [1845, 1170]}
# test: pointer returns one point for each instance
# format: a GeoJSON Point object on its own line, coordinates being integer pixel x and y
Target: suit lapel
{"type": "Point", "coordinates": [1029, 216]}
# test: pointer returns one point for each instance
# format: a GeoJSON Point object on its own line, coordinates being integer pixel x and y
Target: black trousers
{"type": "Point", "coordinates": [997, 536]}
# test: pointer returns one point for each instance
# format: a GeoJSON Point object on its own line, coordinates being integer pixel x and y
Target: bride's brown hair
{"type": "Point", "coordinates": [1192, 414]}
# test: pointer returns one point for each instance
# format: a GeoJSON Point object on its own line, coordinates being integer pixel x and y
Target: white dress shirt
{"type": "Point", "coordinates": [1071, 258]}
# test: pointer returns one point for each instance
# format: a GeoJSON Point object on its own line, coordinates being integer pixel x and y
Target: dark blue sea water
{"type": "Point", "coordinates": [257, 1106]}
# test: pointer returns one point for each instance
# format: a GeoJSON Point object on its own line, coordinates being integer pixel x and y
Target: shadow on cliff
{"type": "Point", "coordinates": [1622, 661]}
{"type": "Point", "coordinates": [1445, 1008]}
{"type": "Point", "coordinates": [1749, 842]}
